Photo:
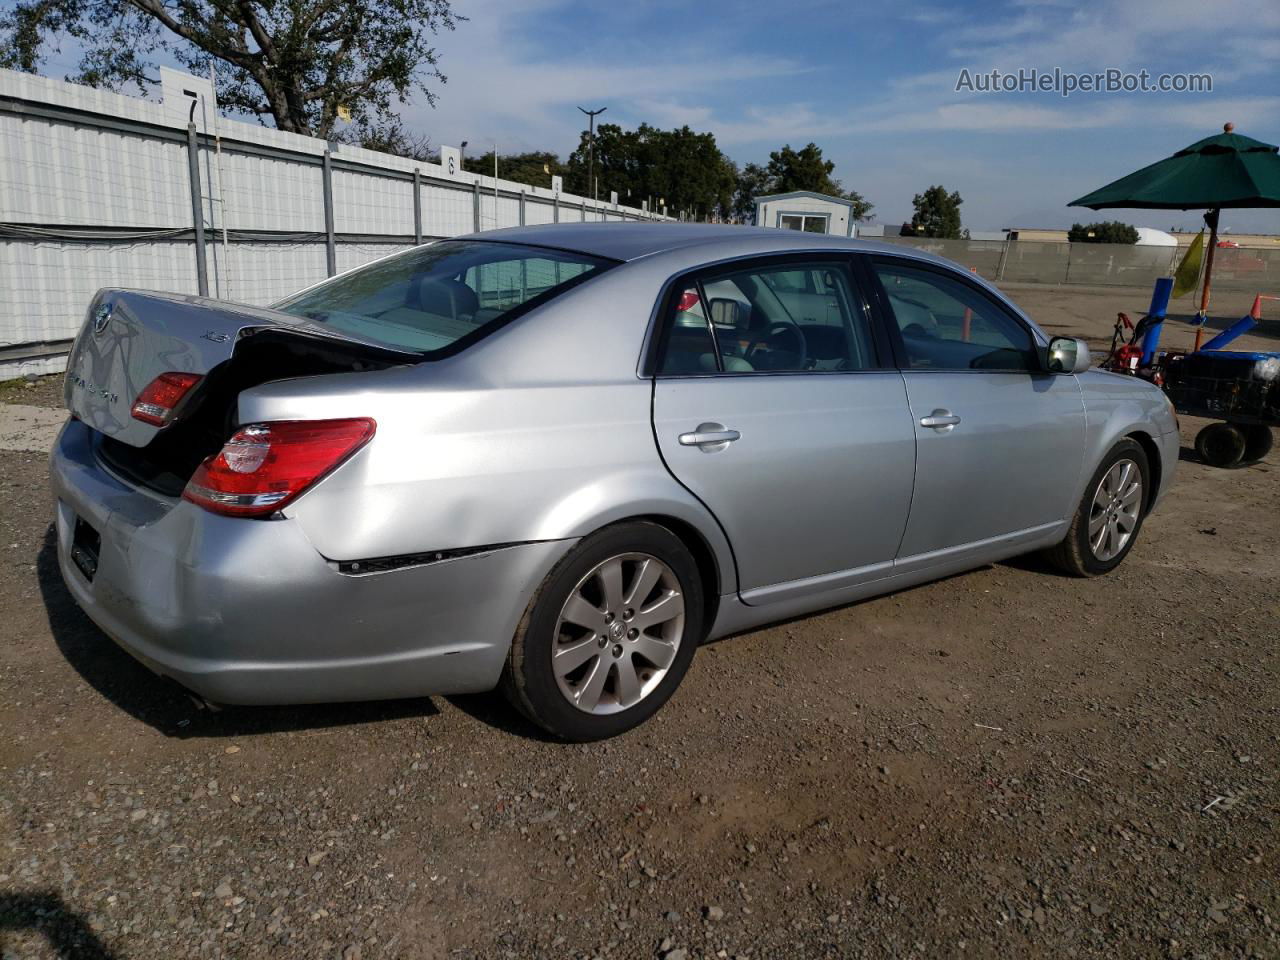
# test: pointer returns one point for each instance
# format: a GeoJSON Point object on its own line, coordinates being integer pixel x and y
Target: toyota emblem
{"type": "Point", "coordinates": [101, 317]}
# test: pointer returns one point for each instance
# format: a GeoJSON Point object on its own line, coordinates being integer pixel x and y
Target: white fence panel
{"type": "Point", "coordinates": [446, 212]}
{"type": "Point", "coordinates": [537, 212]}
{"type": "Point", "coordinates": [61, 173]}
{"type": "Point", "coordinates": [352, 255]}
{"type": "Point", "coordinates": [262, 273]}
{"type": "Point", "coordinates": [498, 212]}
{"type": "Point", "coordinates": [265, 193]}
{"type": "Point", "coordinates": [47, 286]}
{"type": "Point", "coordinates": [371, 204]}
{"type": "Point", "coordinates": [96, 190]}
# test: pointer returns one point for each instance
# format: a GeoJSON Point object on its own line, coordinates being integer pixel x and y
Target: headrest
{"type": "Point", "coordinates": [448, 298]}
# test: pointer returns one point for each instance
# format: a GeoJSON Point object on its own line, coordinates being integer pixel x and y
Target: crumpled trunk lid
{"type": "Point", "coordinates": [130, 337]}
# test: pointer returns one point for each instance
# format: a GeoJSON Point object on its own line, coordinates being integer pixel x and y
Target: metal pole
{"type": "Point", "coordinates": [1211, 218]}
{"type": "Point", "coordinates": [217, 172]}
{"type": "Point", "coordinates": [475, 206]}
{"type": "Point", "coordinates": [417, 207]}
{"type": "Point", "coordinates": [591, 150]}
{"type": "Point", "coordinates": [330, 249]}
{"type": "Point", "coordinates": [522, 211]}
{"type": "Point", "coordinates": [197, 214]}
{"type": "Point", "coordinates": [555, 208]}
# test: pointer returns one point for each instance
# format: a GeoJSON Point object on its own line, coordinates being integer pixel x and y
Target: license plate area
{"type": "Point", "coordinates": [85, 544]}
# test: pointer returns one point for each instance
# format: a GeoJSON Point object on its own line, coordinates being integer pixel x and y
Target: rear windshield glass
{"type": "Point", "coordinates": [442, 296]}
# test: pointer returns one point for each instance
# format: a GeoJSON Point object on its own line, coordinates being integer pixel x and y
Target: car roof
{"type": "Point", "coordinates": [632, 241]}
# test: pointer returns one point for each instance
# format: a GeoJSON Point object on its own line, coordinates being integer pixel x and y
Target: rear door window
{"type": "Point", "coordinates": [439, 298]}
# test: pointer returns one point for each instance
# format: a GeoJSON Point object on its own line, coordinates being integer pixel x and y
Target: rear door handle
{"type": "Point", "coordinates": [940, 420]}
{"type": "Point", "coordinates": [708, 434]}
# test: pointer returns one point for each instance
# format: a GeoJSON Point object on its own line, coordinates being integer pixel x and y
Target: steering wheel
{"type": "Point", "coordinates": [787, 328]}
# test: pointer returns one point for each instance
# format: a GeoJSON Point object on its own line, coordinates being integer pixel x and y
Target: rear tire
{"type": "Point", "coordinates": [1221, 445]}
{"type": "Point", "coordinates": [1109, 517]}
{"type": "Point", "coordinates": [1257, 442]}
{"type": "Point", "coordinates": [609, 635]}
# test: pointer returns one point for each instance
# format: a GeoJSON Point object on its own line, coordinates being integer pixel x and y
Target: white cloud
{"type": "Point", "coordinates": [503, 86]}
{"type": "Point", "coordinates": [1233, 40]}
{"type": "Point", "coordinates": [1117, 33]}
{"type": "Point", "coordinates": [991, 117]}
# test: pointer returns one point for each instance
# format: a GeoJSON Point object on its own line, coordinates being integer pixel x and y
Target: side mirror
{"type": "Point", "coordinates": [1067, 355]}
{"type": "Point", "coordinates": [727, 313]}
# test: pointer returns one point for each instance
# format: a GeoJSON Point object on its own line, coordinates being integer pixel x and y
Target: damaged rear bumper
{"type": "Point", "coordinates": [248, 612]}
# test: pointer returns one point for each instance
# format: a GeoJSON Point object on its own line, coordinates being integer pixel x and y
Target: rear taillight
{"type": "Point", "coordinates": [264, 466]}
{"type": "Point", "coordinates": [160, 399]}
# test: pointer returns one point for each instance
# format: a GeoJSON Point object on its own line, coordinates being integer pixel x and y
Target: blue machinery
{"type": "Point", "coordinates": [1240, 389]}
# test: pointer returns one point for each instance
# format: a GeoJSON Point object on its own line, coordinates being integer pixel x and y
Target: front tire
{"type": "Point", "coordinates": [609, 635]}
{"type": "Point", "coordinates": [1106, 524]}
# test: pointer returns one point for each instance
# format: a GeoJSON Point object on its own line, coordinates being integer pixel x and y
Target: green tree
{"type": "Point", "coordinates": [753, 181]}
{"type": "Point", "coordinates": [806, 169]}
{"type": "Point", "coordinates": [1106, 231]}
{"type": "Point", "coordinates": [681, 166]}
{"type": "Point", "coordinates": [391, 137]}
{"type": "Point", "coordinates": [525, 168]}
{"type": "Point", "coordinates": [937, 214]}
{"type": "Point", "coordinates": [296, 62]}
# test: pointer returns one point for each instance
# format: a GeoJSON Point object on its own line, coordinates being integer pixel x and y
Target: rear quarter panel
{"type": "Point", "coordinates": [540, 432]}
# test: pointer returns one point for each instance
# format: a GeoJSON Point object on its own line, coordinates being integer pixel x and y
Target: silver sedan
{"type": "Point", "coordinates": [555, 459]}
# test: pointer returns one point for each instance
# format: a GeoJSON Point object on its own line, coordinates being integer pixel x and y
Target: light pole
{"type": "Point", "coordinates": [591, 149]}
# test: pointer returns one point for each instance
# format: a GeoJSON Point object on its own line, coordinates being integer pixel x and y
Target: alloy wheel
{"type": "Point", "coordinates": [1116, 508]}
{"type": "Point", "coordinates": [618, 633]}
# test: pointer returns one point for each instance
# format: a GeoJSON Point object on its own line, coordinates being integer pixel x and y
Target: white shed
{"type": "Point", "coordinates": [1150, 237]}
{"type": "Point", "coordinates": [807, 211]}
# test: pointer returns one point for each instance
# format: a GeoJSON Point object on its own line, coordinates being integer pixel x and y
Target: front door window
{"type": "Point", "coordinates": [948, 325]}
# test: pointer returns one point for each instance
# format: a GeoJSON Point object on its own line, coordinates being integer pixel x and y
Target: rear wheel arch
{"type": "Point", "coordinates": [704, 556]}
{"type": "Point", "coordinates": [710, 575]}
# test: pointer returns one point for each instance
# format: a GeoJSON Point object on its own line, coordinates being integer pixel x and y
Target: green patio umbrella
{"type": "Point", "coordinates": [1220, 172]}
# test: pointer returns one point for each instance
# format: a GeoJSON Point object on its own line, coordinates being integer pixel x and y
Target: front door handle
{"type": "Point", "coordinates": [709, 435]}
{"type": "Point", "coordinates": [940, 420]}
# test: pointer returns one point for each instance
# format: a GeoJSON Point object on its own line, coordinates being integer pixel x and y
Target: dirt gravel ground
{"type": "Point", "coordinates": [1004, 763]}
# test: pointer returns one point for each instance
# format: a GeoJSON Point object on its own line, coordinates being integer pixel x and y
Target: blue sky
{"type": "Point", "coordinates": [874, 85]}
